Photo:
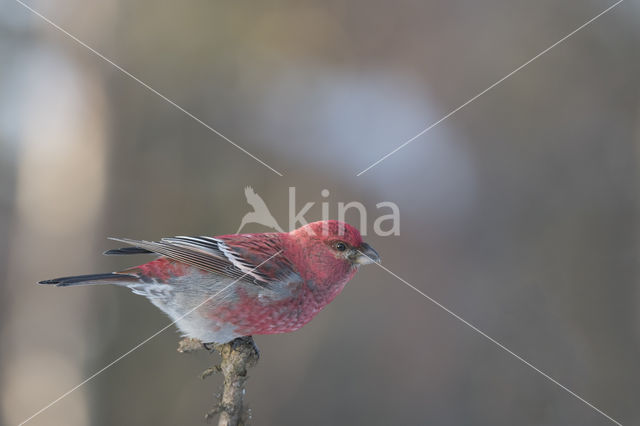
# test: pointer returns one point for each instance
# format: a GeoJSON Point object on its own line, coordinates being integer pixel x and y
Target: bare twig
{"type": "Point", "coordinates": [237, 357]}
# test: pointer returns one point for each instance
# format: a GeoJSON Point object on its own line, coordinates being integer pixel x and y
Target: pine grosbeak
{"type": "Point", "coordinates": [219, 288]}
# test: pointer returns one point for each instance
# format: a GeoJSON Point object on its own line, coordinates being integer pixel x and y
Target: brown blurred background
{"type": "Point", "coordinates": [520, 212]}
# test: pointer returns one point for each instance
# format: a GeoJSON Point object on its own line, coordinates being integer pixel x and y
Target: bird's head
{"type": "Point", "coordinates": [339, 241]}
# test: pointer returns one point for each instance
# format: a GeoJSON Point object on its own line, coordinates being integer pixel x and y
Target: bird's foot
{"type": "Point", "coordinates": [209, 346]}
{"type": "Point", "coordinates": [246, 343]}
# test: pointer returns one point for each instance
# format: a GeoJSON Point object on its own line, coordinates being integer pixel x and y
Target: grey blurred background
{"type": "Point", "coordinates": [520, 212]}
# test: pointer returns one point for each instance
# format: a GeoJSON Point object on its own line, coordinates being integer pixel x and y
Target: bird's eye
{"type": "Point", "coordinates": [340, 246]}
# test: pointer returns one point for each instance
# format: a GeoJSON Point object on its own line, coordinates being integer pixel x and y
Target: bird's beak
{"type": "Point", "coordinates": [366, 254]}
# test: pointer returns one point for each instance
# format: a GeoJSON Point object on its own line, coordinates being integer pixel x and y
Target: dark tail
{"type": "Point", "coordinates": [127, 250]}
{"type": "Point", "coordinates": [108, 278]}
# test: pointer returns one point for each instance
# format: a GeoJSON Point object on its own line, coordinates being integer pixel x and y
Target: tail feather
{"type": "Point", "coordinates": [108, 278]}
{"type": "Point", "coordinates": [127, 250]}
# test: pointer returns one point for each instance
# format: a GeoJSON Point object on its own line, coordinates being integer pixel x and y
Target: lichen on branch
{"type": "Point", "coordinates": [237, 357]}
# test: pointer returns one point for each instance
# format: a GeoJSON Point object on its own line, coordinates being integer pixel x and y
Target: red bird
{"type": "Point", "coordinates": [219, 288]}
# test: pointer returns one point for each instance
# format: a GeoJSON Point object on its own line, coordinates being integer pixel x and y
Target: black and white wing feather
{"type": "Point", "coordinates": [238, 259]}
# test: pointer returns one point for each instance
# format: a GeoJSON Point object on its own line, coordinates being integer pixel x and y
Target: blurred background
{"type": "Point", "coordinates": [520, 212]}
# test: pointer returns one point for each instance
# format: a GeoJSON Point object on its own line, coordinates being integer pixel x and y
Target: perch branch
{"type": "Point", "coordinates": [237, 357]}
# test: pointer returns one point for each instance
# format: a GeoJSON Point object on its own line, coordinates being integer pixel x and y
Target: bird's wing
{"type": "Point", "coordinates": [254, 258]}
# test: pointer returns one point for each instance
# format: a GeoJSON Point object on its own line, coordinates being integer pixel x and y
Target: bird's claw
{"type": "Point", "coordinates": [246, 341]}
